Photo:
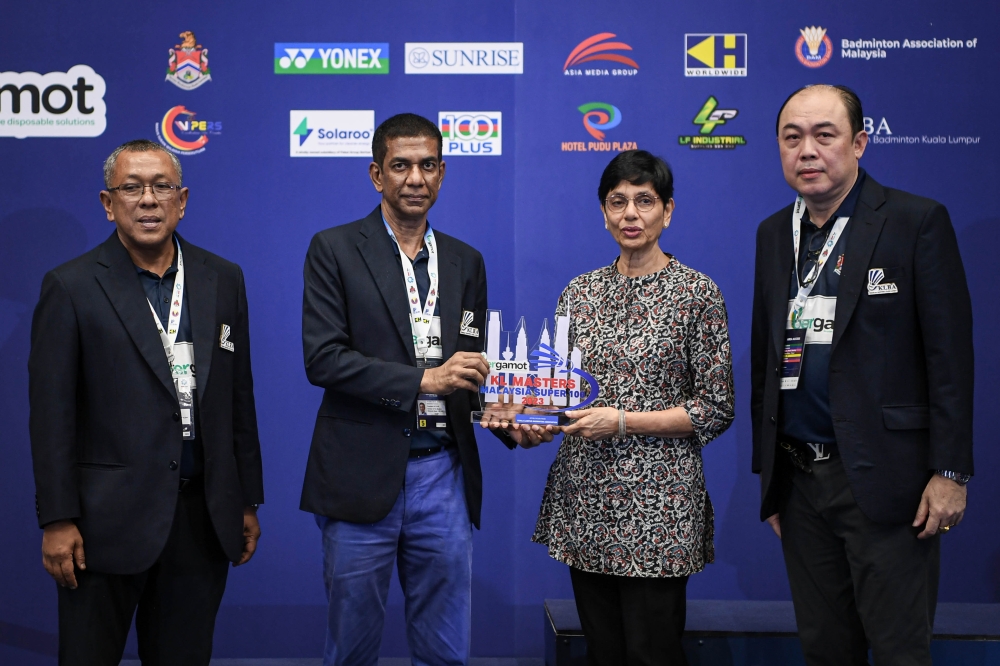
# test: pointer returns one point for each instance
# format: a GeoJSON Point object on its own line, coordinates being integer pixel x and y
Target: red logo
{"type": "Point", "coordinates": [592, 48]}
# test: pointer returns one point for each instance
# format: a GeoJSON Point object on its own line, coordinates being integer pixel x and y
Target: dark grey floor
{"type": "Point", "coordinates": [481, 661]}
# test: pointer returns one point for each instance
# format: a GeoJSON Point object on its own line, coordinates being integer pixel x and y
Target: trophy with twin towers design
{"type": "Point", "coordinates": [532, 385]}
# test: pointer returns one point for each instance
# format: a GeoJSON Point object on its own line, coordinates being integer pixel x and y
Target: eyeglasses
{"type": "Point", "coordinates": [134, 191]}
{"type": "Point", "coordinates": [816, 243]}
{"type": "Point", "coordinates": [643, 203]}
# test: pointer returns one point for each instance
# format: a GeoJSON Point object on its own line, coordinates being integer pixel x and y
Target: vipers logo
{"type": "Point", "coordinates": [62, 104]}
{"type": "Point", "coordinates": [598, 116]}
{"type": "Point", "coordinates": [471, 132]}
{"type": "Point", "coordinates": [332, 58]}
{"type": "Point", "coordinates": [596, 48]}
{"type": "Point", "coordinates": [182, 134]}
{"type": "Point", "coordinates": [715, 54]}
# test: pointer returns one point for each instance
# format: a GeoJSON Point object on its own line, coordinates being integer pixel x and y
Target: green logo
{"type": "Point", "coordinates": [710, 117]}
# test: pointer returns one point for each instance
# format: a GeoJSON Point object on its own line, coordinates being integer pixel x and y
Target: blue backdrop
{"type": "Point", "coordinates": [531, 211]}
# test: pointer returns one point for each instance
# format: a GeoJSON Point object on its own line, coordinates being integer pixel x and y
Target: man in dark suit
{"type": "Point", "coordinates": [394, 315]}
{"type": "Point", "coordinates": [147, 473]}
{"type": "Point", "coordinates": [862, 372]}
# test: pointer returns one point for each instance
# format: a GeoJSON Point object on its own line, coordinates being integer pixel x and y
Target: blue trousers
{"type": "Point", "coordinates": [429, 534]}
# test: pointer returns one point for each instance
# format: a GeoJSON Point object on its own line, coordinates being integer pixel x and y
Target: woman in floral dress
{"type": "Point", "coordinates": [625, 504]}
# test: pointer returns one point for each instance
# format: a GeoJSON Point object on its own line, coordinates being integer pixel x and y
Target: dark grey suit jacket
{"type": "Point", "coordinates": [901, 365]}
{"type": "Point", "coordinates": [359, 347]}
{"type": "Point", "coordinates": [105, 429]}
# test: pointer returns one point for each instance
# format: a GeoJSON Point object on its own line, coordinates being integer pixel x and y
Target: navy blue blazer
{"type": "Point", "coordinates": [901, 365]}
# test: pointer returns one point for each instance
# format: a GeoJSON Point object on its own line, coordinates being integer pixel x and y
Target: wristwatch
{"type": "Point", "coordinates": [960, 479]}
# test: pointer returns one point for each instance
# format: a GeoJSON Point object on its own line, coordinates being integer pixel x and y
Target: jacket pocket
{"type": "Point", "coordinates": [107, 467]}
{"type": "Point", "coordinates": [906, 417]}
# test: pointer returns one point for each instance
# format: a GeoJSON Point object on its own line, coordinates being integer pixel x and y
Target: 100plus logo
{"type": "Point", "coordinates": [471, 132]}
{"type": "Point", "coordinates": [331, 58]}
{"type": "Point", "coordinates": [69, 104]}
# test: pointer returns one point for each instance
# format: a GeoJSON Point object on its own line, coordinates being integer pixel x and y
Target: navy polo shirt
{"type": "Point", "coordinates": [158, 292]}
{"type": "Point", "coordinates": [805, 411]}
{"type": "Point", "coordinates": [425, 439]}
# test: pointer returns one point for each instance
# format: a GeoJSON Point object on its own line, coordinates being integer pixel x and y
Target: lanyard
{"type": "Point", "coordinates": [169, 337]}
{"type": "Point", "coordinates": [420, 319]}
{"type": "Point", "coordinates": [809, 281]}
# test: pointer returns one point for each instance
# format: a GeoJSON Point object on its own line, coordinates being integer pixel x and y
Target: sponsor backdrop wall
{"type": "Point", "coordinates": [271, 107]}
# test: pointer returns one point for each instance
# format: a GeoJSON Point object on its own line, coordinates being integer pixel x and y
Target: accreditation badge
{"type": "Point", "coordinates": [432, 411]}
{"type": "Point", "coordinates": [182, 371]}
{"type": "Point", "coordinates": [791, 358]}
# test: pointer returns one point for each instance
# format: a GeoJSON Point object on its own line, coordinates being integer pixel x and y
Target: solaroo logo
{"type": "Point", "coordinates": [464, 58]}
{"type": "Point", "coordinates": [329, 58]}
{"type": "Point", "coordinates": [331, 133]}
{"type": "Point", "coordinates": [471, 132]}
{"type": "Point", "coordinates": [61, 104]}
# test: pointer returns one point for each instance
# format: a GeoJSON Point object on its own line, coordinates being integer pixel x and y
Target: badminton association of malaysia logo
{"type": "Point", "coordinates": [187, 65]}
{"type": "Point", "coordinates": [813, 47]}
{"type": "Point", "coordinates": [596, 48]}
{"type": "Point", "coordinates": [599, 117]}
{"type": "Point", "coordinates": [181, 134]}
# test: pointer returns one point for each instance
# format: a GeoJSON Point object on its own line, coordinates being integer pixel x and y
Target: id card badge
{"type": "Point", "coordinates": [185, 399]}
{"type": "Point", "coordinates": [432, 411]}
{"type": "Point", "coordinates": [792, 354]}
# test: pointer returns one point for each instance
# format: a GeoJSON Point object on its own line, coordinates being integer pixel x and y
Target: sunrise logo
{"type": "Point", "coordinates": [598, 116]}
{"type": "Point", "coordinates": [596, 48]}
{"type": "Point", "coordinates": [182, 134]}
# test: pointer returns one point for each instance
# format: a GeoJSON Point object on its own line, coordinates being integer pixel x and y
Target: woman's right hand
{"type": "Point", "coordinates": [525, 436]}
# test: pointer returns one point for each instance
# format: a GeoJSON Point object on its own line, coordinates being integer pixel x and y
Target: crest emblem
{"type": "Point", "coordinates": [187, 66]}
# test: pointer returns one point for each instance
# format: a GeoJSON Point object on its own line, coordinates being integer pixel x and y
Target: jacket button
{"type": "Point", "coordinates": [777, 371]}
{"type": "Point", "coordinates": [773, 420]}
{"type": "Point", "coordinates": [172, 465]}
{"type": "Point", "coordinates": [406, 432]}
{"type": "Point", "coordinates": [396, 403]}
{"type": "Point", "coordinates": [176, 416]}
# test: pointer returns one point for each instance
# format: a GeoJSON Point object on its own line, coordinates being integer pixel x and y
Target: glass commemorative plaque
{"type": "Point", "coordinates": [532, 385]}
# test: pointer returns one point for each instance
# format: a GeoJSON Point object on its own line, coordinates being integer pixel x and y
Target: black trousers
{"type": "Point", "coordinates": [177, 599]}
{"type": "Point", "coordinates": [633, 621]}
{"type": "Point", "coordinates": [856, 583]}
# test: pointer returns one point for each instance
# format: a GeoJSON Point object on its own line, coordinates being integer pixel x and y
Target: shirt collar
{"type": "Point", "coordinates": [422, 254]}
{"type": "Point", "coordinates": [168, 272]}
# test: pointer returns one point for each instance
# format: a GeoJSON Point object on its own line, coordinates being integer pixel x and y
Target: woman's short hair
{"type": "Point", "coordinates": [637, 167]}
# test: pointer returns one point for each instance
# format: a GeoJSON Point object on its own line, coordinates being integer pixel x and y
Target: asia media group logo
{"type": "Point", "coordinates": [464, 57]}
{"type": "Point", "coordinates": [187, 63]}
{"type": "Point", "coordinates": [596, 49]}
{"type": "Point", "coordinates": [183, 134]}
{"type": "Point", "coordinates": [599, 117]}
{"type": "Point", "coordinates": [719, 54]}
{"type": "Point", "coordinates": [471, 132]}
{"type": "Point", "coordinates": [709, 117]}
{"type": "Point", "coordinates": [325, 133]}
{"type": "Point", "coordinates": [57, 104]}
{"type": "Point", "coordinates": [331, 58]}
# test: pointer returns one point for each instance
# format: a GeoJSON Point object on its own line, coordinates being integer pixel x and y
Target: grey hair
{"type": "Point", "coordinates": [138, 146]}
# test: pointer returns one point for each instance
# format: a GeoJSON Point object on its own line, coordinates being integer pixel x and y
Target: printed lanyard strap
{"type": "Point", "coordinates": [169, 337]}
{"type": "Point", "coordinates": [809, 281]}
{"type": "Point", "coordinates": [420, 318]}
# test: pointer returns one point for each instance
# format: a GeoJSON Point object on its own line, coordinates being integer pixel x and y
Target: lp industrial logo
{"type": "Point", "coordinates": [471, 132]}
{"type": "Point", "coordinates": [331, 58]}
{"type": "Point", "coordinates": [331, 133]}
{"type": "Point", "coordinates": [68, 104]}
{"type": "Point", "coordinates": [710, 117]}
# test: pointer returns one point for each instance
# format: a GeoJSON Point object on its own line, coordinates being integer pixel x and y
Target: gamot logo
{"type": "Point", "coordinates": [464, 58]}
{"type": "Point", "coordinates": [331, 58]}
{"type": "Point", "coordinates": [68, 104]}
{"type": "Point", "coordinates": [596, 48]}
{"type": "Point", "coordinates": [321, 133]}
{"type": "Point", "coordinates": [471, 132]}
{"type": "Point", "coordinates": [182, 134]}
{"type": "Point", "coordinates": [813, 48]}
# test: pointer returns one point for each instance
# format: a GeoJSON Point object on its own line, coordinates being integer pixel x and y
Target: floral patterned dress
{"type": "Point", "coordinates": [637, 506]}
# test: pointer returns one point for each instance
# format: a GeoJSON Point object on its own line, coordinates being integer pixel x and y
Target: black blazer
{"type": "Point", "coordinates": [359, 347]}
{"type": "Point", "coordinates": [105, 428]}
{"type": "Point", "coordinates": [901, 366]}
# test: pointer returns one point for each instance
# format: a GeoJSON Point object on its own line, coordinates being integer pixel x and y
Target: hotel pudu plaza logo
{"type": "Point", "coordinates": [597, 50]}
{"type": "Point", "coordinates": [597, 118]}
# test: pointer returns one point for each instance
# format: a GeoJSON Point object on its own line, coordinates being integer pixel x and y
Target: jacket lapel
{"type": "Point", "coordinates": [200, 290]}
{"type": "Point", "coordinates": [781, 279]}
{"type": "Point", "coordinates": [376, 250]}
{"type": "Point", "coordinates": [866, 226]}
{"type": "Point", "coordinates": [449, 296]}
{"type": "Point", "coordinates": [121, 284]}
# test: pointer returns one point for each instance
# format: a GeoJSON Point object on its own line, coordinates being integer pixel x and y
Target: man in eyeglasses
{"type": "Point", "coordinates": [861, 367]}
{"type": "Point", "coordinates": [147, 473]}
